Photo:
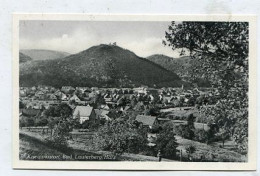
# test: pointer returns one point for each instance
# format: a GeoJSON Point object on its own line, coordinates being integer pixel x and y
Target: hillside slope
{"type": "Point", "coordinates": [182, 66]}
{"type": "Point", "coordinates": [102, 66]}
{"type": "Point", "coordinates": [37, 54]}
{"type": "Point", "coordinates": [24, 58]}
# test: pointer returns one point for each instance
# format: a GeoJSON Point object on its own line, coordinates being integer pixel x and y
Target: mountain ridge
{"type": "Point", "coordinates": [44, 54]}
{"type": "Point", "coordinates": [182, 66]}
{"type": "Point", "coordinates": [24, 58]}
{"type": "Point", "coordinates": [101, 66]}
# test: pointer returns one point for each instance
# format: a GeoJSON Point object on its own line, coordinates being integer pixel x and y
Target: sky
{"type": "Point", "coordinates": [142, 37]}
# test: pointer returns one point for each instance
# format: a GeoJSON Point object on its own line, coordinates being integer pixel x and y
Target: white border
{"type": "Point", "coordinates": [82, 165]}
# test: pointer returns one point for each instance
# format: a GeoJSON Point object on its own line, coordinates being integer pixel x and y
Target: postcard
{"type": "Point", "coordinates": [134, 92]}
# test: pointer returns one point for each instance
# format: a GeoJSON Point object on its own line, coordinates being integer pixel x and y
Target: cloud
{"type": "Point", "coordinates": [83, 38]}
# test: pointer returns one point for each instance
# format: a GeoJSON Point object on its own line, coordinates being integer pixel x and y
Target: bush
{"type": "Point", "coordinates": [41, 121]}
{"type": "Point", "coordinates": [166, 142]}
{"type": "Point", "coordinates": [26, 122]}
{"type": "Point", "coordinates": [190, 149]}
{"type": "Point", "coordinates": [57, 141]}
{"type": "Point", "coordinates": [119, 137]}
{"type": "Point", "coordinates": [201, 135]}
{"type": "Point", "coordinates": [185, 131]}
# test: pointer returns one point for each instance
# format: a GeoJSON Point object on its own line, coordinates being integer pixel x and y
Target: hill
{"type": "Point", "coordinates": [24, 58]}
{"type": "Point", "coordinates": [101, 66]}
{"type": "Point", "coordinates": [39, 54]}
{"type": "Point", "coordinates": [182, 66]}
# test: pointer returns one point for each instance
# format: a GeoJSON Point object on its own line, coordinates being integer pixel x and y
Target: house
{"type": "Point", "coordinates": [140, 90]}
{"type": "Point", "coordinates": [22, 93]}
{"type": "Point", "coordinates": [82, 89]}
{"type": "Point", "coordinates": [85, 113]}
{"type": "Point", "coordinates": [52, 97]}
{"type": "Point", "coordinates": [75, 98]}
{"type": "Point", "coordinates": [39, 93]}
{"type": "Point", "coordinates": [105, 106]}
{"type": "Point", "coordinates": [92, 94]}
{"type": "Point", "coordinates": [149, 121]}
{"type": "Point", "coordinates": [64, 97]}
{"type": "Point", "coordinates": [108, 98]}
{"type": "Point", "coordinates": [102, 114]}
{"type": "Point", "coordinates": [33, 88]}
{"type": "Point", "coordinates": [67, 89]}
{"type": "Point", "coordinates": [125, 109]}
{"type": "Point", "coordinates": [58, 93]}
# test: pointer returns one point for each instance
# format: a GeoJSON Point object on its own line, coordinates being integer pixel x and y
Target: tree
{"type": "Point", "coordinates": [21, 105]}
{"type": "Point", "coordinates": [62, 110]}
{"type": "Point", "coordinates": [61, 129]}
{"type": "Point", "coordinates": [224, 135]}
{"type": "Point", "coordinates": [166, 141]}
{"type": "Point", "coordinates": [190, 149]}
{"type": "Point", "coordinates": [201, 135]}
{"type": "Point", "coordinates": [29, 121]}
{"type": "Point", "coordinates": [190, 121]}
{"type": "Point", "coordinates": [119, 137]}
{"type": "Point", "coordinates": [187, 132]}
{"type": "Point", "coordinates": [41, 121]}
{"type": "Point", "coordinates": [223, 49]}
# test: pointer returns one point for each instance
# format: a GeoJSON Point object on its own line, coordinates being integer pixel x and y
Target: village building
{"type": "Point", "coordinates": [150, 121]}
{"type": "Point", "coordinates": [75, 98]}
{"type": "Point", "coordinates": [105, 106]}
{"type": "Point", "coordinates": [64, 97]}
{"type": "Point", "coordinates": [22, 93]}
{"type": "Point", "coordinates": [39, 94]}
{"type": "Point", "coordinates": [140, 90]}
{"type": "Point", "coordinates": [102, 114]}
{"type": "Point", "coordinates": [67, 89]}
{"type": "Point", "coordinates": [53, 97]}
{"type": "Point", "coordinates": [85, 113]}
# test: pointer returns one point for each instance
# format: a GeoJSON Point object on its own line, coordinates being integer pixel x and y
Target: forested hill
{"type": "Point", "coordinates": [181, 66]}
{"type": "Point", "coordinates": [102, 66]}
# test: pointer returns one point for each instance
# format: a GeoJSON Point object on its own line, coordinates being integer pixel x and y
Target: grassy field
{"type": "Point", "coordinates": [34, 147]}
{"type": "Point", "coordinates": [31, 149]}
{"type": "Point", "coordinates": [210, 152]}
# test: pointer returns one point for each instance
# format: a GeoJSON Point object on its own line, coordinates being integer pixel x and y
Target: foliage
{"type": "Point", "coordinates": [26, 121]}
{"type": "Point", "coordinates": [190, 149]}
{"type": "Point", "coordinates": [61, 129]}
{"type": "Point", "coordinates": [62, 110]}
{"type": "Point", "coordinates": [41, 121]}
{"type": "Point", "coordinates": [166, 141]}
{"type": "Point", "coordinates": [119, 137]}
{"type": "Point", "coordinates": [222, 48]}
{"type": "Point", "coordinates": [89, 125]}
{"type": "Point", "coordinates": [201, 135]}
{"type": "Point", "coordinates": [187, 132]}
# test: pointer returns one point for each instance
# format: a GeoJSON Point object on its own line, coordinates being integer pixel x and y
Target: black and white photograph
{"type": "Point", "coordinates": [171, 91]}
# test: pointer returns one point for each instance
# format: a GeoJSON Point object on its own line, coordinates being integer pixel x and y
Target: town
{"type": "Point", "coordinates": [152, 109]}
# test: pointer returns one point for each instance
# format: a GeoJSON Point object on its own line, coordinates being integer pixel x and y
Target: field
{"type": "Point", "coordinates": [212, 152]}
{"type": "Point", "coordinates": [33, 147]}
